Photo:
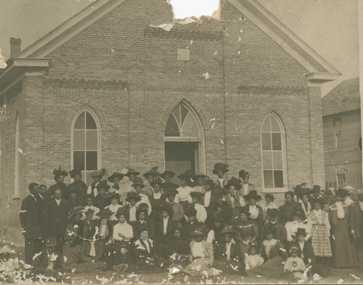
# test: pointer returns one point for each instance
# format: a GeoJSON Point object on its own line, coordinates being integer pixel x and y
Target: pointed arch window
{"type": "Point", "coordinates": [273, 149]}
{"type": "Point", "coordinates": [182, 123]}
{"type": "Point", "coordinates": [86, 144]}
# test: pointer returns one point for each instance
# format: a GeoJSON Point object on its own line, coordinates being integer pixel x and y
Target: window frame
{"type": "Point", "coordinates": [98, 148]}
{"type": "Point", "coordinates": [283, 151]}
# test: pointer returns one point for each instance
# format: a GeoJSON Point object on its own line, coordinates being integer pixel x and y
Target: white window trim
{"type": "Point", "coordinates": [99, 137]}
{"type": "Point", "coordinates": [284, 155]}
{"type": "Point", "coordinates": [201, 163]}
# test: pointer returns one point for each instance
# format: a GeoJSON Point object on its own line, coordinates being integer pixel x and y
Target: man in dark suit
{"type": "Point", "coordinates": [57, 220]}
{"type": "Point", "coordinates": [229, 256]}
{"type": "Point", "coordinates": [306, 251]}
{"type": "Point", "coordinates": [30, 220]}
{"type": "Point", "coordinates": [163, 229]}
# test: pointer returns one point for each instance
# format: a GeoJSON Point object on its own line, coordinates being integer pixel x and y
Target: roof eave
{"type": "Point", "coordinates": [19, 66]}
{"type": "Point", "coordinates": [322, 77]}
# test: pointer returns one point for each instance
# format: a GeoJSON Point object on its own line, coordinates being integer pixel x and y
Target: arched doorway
{"type": "Point", "coordinates": [184, 140]}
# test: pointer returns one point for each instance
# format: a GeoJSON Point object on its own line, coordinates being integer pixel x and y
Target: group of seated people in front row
{"type": "Point", "coordinates": [202, 225]}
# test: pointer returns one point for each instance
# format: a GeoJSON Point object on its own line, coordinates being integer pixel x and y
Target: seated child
{"type": "Point", "coordinates": [144, 251]}
{"type": "Point", "coordinates": [202, 255]}
{"type": "Point", "coordinates": [141, 223]}
{"type": "Point", "coordinates": [294, 264]}
{"type": "Point", "coordinates": [253, 259]}
{"type": "Point", "coordinates": [270, 245]}
{"type": "Point", "coordinates": [119, 248]}
{"type": "Point", "coordinates": [178, 248]}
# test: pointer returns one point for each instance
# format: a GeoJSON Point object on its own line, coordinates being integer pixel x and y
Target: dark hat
{"type": "Point", "coordinates": [243, 174]}
{"type": "Point", "coordinates": [152, 172]}
{"type": "Point", "coordinates": [273, 213]}
{"type": "Point", "coordinates": [253, 195]}
{"type": "Point", "coordinates": [138, 182]}
{"type": "Point", "coordinates": [122, 211]}
{"type": "Point", "coordinates": [89, 211]}
{"type": "Point", "coordinates": [115, 175]}
{"type": "Point", "coordinates": [316, 188]}
{"type": "Point", "coordinates": [115, 196]}
{"type": "Point", "coordinates": [220, 167]}
{"type": "Point", "coordinates": [75, 172]}
{"type": "Point", "coordinates": [197, 195]}
{"type": "Point", "coordinates": [227, 230]}
{"type": "Point", "coordinates": [170, 187]}
{"type": "Point", "coordinates": [342, 193]}
{"type": "Point", "coordinates": [132, 171]}
{"type": "Point", "coordinates": [98, 173]}
{"type": "Point", "coordinates": [168, 173]}
{"type": "Point", "coordinates": [235, 182]}
{"type": "Point", "coordinates": [59, 172]}
{"type": "Point", "coordinates": [300, 231]}
{"type": "Point", "coordinates": [132, 196]}
{"type": "Point", "coordinates": [143, 207]}
{"type": "Point", "coordinates": [105, 213]}
{"type": "Point", "coordinates": [103, 185]}
{"type": "Point", "coordinates": [269, 196]}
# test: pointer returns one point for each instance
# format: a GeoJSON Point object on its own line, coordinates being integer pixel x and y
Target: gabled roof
{"type": "Point", "coordinates": [318, 69]}
{"type": "Point", "coordinates": [343, 98]}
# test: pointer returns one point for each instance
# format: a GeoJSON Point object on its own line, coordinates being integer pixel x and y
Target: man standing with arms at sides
{"type": "Point", "coordinates": [30, 219]}
{"type": "Point", "coordinates": [57, 220]}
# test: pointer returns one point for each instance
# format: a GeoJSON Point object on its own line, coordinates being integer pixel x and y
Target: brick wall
{"type": "Point", "coordinates": [345, 157]}
{"type": "Point", "coordinates": [132, 81]}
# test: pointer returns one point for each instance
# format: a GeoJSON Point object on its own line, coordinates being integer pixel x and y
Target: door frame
{"type": "Point", "coordinates": [200, 159]}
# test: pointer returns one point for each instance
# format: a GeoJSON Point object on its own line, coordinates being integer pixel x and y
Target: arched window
{"type": "Point", "coordinates": [182, 122]}
{"type": "Point", "coordinates": [273, 148]}
{"type": "Point", "coordinates": [86, 144]}
{"type": "Point", "coordinates": [184, 140]}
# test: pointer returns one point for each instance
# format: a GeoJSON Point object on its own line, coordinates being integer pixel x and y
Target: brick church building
{"type": "Point", "coordinates": [122, 83]}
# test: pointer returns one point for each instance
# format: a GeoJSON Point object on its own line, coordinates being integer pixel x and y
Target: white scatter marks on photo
{"type": "Point", "coordinates": [212, 123]}
{"type": "Point", "coordinates": [221, 141]}
{"type": "Point", "coordinates": [206, 75]}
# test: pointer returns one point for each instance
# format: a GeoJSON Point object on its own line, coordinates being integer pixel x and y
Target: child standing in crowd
{"type": "Point", "coordinates": [253, 259]}
{"type": "Point", "coordinates": [144, 252]}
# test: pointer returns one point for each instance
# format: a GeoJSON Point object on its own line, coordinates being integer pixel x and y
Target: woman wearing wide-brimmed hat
{"type": "Point", "coordinates": [344, 255]}
{"type": "Point", "coordinates": [59, 176]}
{"type": "Point", "coordinates": [97, 176]}
{"type": "Point", "coordinates": [77, 186]}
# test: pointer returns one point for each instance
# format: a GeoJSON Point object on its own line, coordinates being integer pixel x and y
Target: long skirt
{"type": "Point", "coordinates": [321, 241]}
{"type": "Point", "coordinates": [343, 246]}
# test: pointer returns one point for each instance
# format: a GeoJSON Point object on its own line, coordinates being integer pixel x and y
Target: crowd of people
{"type": "Point", "coordinates": [147, 222]}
